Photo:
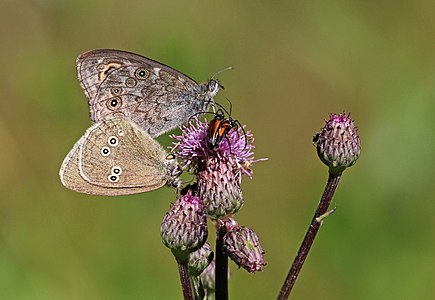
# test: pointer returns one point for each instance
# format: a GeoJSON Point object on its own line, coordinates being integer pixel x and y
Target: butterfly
{"type": "Point", "coordinates": [156, 97]}
{"type": "Point", "coordinates": [117, 157]}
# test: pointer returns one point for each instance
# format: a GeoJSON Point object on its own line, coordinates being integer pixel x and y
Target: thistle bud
{"type": "Point", "coordinates": [219, 186]}
{"type": "Point", "coordinates": [242, 245]}
{"type": "Point", "coordinates": [200, 259]}
{"type": "Point", "coordinates": [184, 227]}
{"type": "Point", "coordinates": [338, 144]}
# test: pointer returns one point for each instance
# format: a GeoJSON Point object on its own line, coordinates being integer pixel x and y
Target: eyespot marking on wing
{"type": "Point", "coordinates": [113, 178]}
{"type": "Point", "coordinates": [105, 151]}
{"type": "Point", "coordinates": [114, 103]}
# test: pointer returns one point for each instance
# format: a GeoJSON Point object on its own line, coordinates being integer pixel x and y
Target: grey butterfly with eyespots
{"type": "Point", "coordinates": [154, 96]}
{"type": "Point", "coordinates": [116, 157]}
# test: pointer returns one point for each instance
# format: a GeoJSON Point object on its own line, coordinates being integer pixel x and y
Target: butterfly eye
{"type": "Point", "coordinates": [116, 170]}
{"type": "Point", "coordinates": [113, 178]}
{"type": "Point", "coordinates": [105, 151]}
{"type": "Point", "coordinates": [141, 74]}
{"type": "Point", "coordinates": [113, 141]}
{"type": "Point", "coordinates": [130, 82]}
{"type": "Point", "coordinates": [116, 91]}
{"type": "Point", "coordinates": [114, 103]}
{"type": "Point", "coordinates": [213, 87]}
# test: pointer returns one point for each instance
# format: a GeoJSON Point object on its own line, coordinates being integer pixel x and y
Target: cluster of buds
{"type": "Point", "coordinates": [219, 167]}
{"type": "Point", "coordinates": [219, 154]}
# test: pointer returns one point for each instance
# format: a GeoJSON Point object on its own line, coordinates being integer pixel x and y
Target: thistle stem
{"type": "Point", "coordinates": [185, 281]}
{"type": "Point", "coordinates": [221, 275]}
{"type": "Point", "coordinates": [198, 289]}
{"type": "Point", "coordinates": [305, 247]}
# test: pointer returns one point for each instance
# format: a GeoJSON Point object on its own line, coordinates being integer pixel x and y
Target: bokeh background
{"type": "Point", "coordinates": [295, 61]}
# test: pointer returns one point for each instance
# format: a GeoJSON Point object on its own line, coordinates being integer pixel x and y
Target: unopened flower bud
{"type": "Point", "coordinates": [184, 227]}
{"type": "Point", "coordinates": [338, 144]}
{"type": "Point", "coordinates": [200, 259]}
{"type": "Point", "coordinates": [219, 186]}
{"type": "Point", "coordinates": [242, 245]}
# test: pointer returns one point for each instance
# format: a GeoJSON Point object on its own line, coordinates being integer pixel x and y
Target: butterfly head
{"type": "Point", "coordinates": [213, 87]}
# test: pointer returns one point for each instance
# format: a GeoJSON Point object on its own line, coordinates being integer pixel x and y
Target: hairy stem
{"type": "Point", "coordinates": [185, 281]}
{"type": "Point", "coordinates": [305, 247]}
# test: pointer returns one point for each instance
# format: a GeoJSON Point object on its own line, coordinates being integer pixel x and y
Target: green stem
{"type": "Point", "coordinates": [198, 289]}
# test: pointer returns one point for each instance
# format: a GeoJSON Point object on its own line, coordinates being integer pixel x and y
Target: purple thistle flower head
{"type": "Point", "coordinates": [219, 169]}
{"type": "Point", "coordinates": [184, 227]}
{"type": "Point", "coordinates": [193, 149]}
{"type": "Point", "coordinates": [338, 144]}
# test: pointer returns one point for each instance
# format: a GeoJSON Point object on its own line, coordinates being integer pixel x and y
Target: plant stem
{"type": "Point", "coordinates": [185, 281]}
{"type": "Point", "coordinates": [198, 289]}
{"type": "Point", "coordinates": [221, 275]}
{"type": "Point", "coordinates": [305, 247]}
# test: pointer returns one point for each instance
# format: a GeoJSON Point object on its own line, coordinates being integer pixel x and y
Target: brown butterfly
{"type": "Point", "coordinates": [154, 96]}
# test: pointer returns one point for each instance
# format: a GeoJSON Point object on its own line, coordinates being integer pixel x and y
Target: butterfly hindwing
{"type": "Point", "coordinates": [115, 153]}
{"type": "Point", "coordinates": [116, 157]}
{"type": "Point", "coordinates": [71, 178]}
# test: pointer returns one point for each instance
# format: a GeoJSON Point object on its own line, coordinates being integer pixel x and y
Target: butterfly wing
{"type": "Point", "coordinates": [153, 95]}
{"type": "Point", "coordinates": [115, 157]}
{"type": "Point", "coordinates": [71, 178]}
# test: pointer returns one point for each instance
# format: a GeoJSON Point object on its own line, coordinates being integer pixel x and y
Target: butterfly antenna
{"type": "Point", "coordinates": [221, 71]}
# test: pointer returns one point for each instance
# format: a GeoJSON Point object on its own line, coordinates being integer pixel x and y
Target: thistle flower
{"type": "Point", "coordinates": [338, 144]}
{"type": "Point", "coordinates": [219, 170]}
{"type": "Point", "coordinates": [184, 227]}
{"type": "Point", "coordinates": [200, 259]}
{"type": "Point", "coordinates": [242, 245]}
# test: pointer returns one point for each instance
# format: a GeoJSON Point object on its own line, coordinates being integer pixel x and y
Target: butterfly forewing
{"type": "Point", "coordinates": [153, 95]}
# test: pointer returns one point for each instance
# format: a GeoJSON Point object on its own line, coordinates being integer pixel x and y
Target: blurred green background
{"type": "Point", "coordinates": [295, 61]}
